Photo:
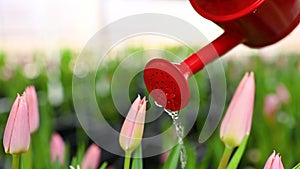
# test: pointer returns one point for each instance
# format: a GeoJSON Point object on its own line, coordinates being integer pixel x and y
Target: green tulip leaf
{"type": "Point", "coordinates": [234, 162]}
{"type": "Point", "coordinates": [297, 166]}
{"type": "Point", "coordinates": [173, 158]}
{"type": "Point", "coordinates": [103, 166]}
{"type": "Point", "coordinates": [191, 157]}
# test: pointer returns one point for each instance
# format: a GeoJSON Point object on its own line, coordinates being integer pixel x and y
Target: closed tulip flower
{"type": "Point", "coordinates": [271, 104]}
{"type": "Point", "coordinates": [164, 157]}
{"type": "Point", "coordinates": [16, 138]}
{"type": "Point", "coordinates": [283, 93]}
{"type": "Point", "coordinates": [33, 109]}
{"type": "Point", "coordinates": [133, 126]}
{"type": "Point", "coordinates": [91, 158]}
{"type": "Point", "coordinates": [57, 149]}
{"type": "Point", "coordinates": [238, 118]}
{"type": "Point", "coordinates": [274, 162]}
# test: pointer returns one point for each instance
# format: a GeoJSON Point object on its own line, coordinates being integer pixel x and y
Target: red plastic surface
{"type": "Point", "coordinates": [167, 84]}
{"type": "Point", "coordinates": [212, 51]}
{"type": "Point", "coordinates": [255, 23]}
{"type": "Point", "coordinates": [260, 22]}
{"type": "Point", "coordinates": [224, 10]}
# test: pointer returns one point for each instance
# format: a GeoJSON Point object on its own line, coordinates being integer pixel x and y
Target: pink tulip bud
{"type": "Point", "coordinates": [133, 126]}
{"type": "Point", "coordinates": [274, 162]}
{"type": "Point", "coordinates": [283, 93]}
{"type": "Point", "coordinates": [238, 118]}
{"type": "Point", "coordinates": [57, 149]}
{"type": "Point", "coordinates": [110, 167]}
{"type": "Point", "coordinates": [164, 157]}
{"type": "Point", "coordinates": [91, 158]}
{"type": "Point", "coordinates": [16, 138]}
{"type": "Point", "coordinates": [271, 104]}
{"type": "Point", "coordinates": [33, 109]}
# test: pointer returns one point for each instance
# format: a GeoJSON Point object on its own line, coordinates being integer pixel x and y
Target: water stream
{"type": "Point", "coordinates": [179, 131]}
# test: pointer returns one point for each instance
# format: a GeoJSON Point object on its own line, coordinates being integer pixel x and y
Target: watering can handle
{"type": "Point", "coordinates": [213, 50]}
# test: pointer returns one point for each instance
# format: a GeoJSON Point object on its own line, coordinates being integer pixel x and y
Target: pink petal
{"type": "Point", "coordinates": [10, 124]}
{"type": "Point", "coordinates": [250, 93]}
{"type": "Point", "coordinates": [57, 149]}
{"type": "Point", "coordinates": [238, 118]}
{"type": "Point", "coordinates": [283, 93]}
{"type": "Point", "coordinates": [110, 167]}
{"type": "Point", "coordinates": [140, 117]}
{"type": "Point", "coordinates": [133, 111]}
{"type": "Point", "coordinates": [20, 138]}
{"type": "Point", "coordinates": [32, 103]}
{"type": "Point", "coordinates": [228, 115]}
{"type": "Point", "coordinates": [277, 164]}
{"type": "Point", "coordinates": [271, 104]}
{"type": "Point", "coordinates": [280, 165]}
{"type": "Point", "coordinates": [164, 157]}
{"type": "Point", "coordinates": [270, 161]}
{"type": "Point", "coordinates": [133, 126]}
{"type": "Point", "coordinates": [91, 159]}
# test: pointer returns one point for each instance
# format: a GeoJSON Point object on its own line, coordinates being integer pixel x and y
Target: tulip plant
{"type": "Point", "coordinates": [23, 121]}
{"type": "Point", "coordinates": [57, 149]}
{"type": "Point", "coordinates": [133, 128]}
{"type": "Point", "coordinates": [234, 132]}
{"type": "Point", "coordinates": [236, 124]}
{"type": "Point", "coordinates": [16, 138]}
{"type": "Point", "coordinates": [33, 108]}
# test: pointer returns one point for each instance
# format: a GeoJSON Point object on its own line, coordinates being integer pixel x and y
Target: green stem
{"type": "Point", "coordinates": [15, 162]}
{"type": "Point", "coordinates": [225, 158]}
{"type": "Point", "coordinates": [127, 160]}
{"type": "Point", "coordinates": [29, 164]}
{"type": "Point", "coordinates": [26, 159]}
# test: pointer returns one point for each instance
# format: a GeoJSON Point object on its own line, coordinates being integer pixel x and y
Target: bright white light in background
{"type": "Point", "coordinates": [116, 9]}
{"type": "Point", "coordinates": [43, 24]}
{"type": "Point", "coordinates": [54, 24]}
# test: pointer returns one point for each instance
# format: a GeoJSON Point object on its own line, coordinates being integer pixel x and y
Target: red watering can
{"type": "Point", "coordinates": [255, 23]}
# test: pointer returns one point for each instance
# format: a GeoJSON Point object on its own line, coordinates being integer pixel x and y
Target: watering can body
{"type": "Point", "coordinates": [259, 22]}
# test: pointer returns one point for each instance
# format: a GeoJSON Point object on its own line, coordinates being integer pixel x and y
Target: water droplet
{"type": "Point", "coordinates": [158, 105]}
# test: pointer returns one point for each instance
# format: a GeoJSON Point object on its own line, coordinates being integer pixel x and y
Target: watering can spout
{"type": "Point", "coordinates": [168, 82]}
{"type": "Point", "coordinates": [212, 51]}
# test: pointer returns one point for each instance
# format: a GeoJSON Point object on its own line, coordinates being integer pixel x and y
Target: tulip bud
{"type": "Point", "coordinates": [238, 118]}
{"type": "Point", "coordinates": [271, 104]}
{"type": "Point", "coordinates": [283, 93]}
{"type": "Point", "coordinates": [16, 138]}
{"type": "Point", "coordinates": [33, 109]}
{"type": "Point", "coordinates": [57, 149]}
{"type": "Point", "coordinates": [91, 158]}
{"type": "Point", "coordinates": [133, 126]}
{"type": "Point", "coordinates": [274, 162]}
{"type": "Point", "coordinates": [164, 157]}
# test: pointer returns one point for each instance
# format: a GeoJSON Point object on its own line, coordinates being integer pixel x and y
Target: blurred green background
{"type": "Point", "coordinates": [53, 82]}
